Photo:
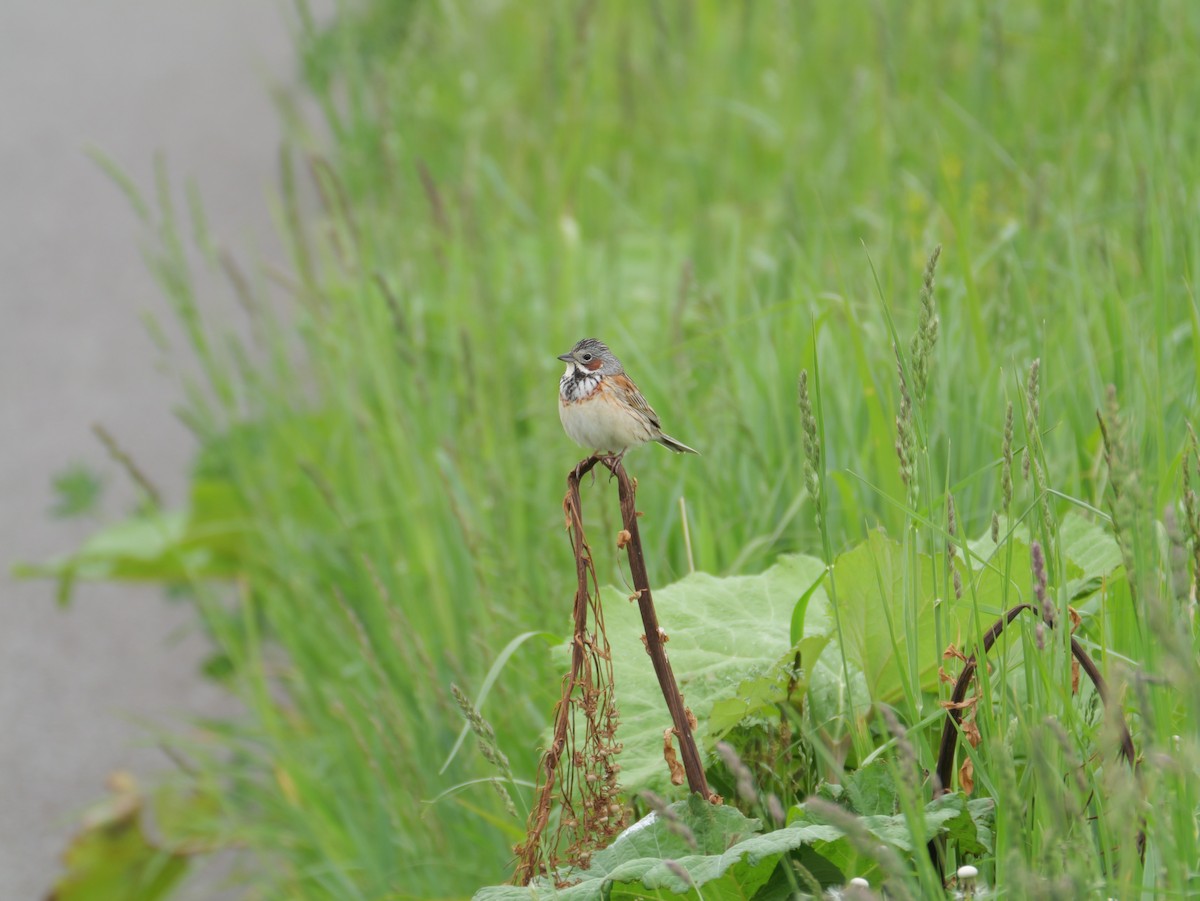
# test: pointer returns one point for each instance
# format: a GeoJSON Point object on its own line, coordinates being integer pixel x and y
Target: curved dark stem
{"type": "Point", "coordinates": [945, 764]}
{"type": "Point", "coordinates": [692, 766]}
{"type": "Point", "coordinates": [950, 731]}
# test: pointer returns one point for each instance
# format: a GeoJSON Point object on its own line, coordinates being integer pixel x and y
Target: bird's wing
{"type": "Point", "coordinates": [628, 392]}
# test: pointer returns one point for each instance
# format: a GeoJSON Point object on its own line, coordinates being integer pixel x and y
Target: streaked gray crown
{"type": "Point", "coordinates": [590, 349]}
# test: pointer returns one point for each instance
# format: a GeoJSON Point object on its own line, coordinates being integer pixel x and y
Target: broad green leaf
{"type": "Point", "coordinates": [761, 697]}
{"type": "Point", "coordinates": [886, 607]}
{"type": "Point", "coordinates": [1089, 546]}
{"type": "Point", "coordinates": [113, 858]}
{"type": "Point", "coordinates": [1090, 551]}
{"type": "Point", "coordinates": [871, 789]}
{"type": "Point", "coordinates": [141, 548]}
{"type": "Point", "coordinates": [202, 541]}
{"type": "Point", "coordinates": [725, 633]}
{"type": "Point", "coordinates": [800, 611]}
{"type": "Point", "coordinates": [729, 861]}
{"type": "Point", "coordinates": [710, 829]}
{"type": "Point", "coordinates": [940, 816]}
{"type": "Point", "coordinates": [971, 829]}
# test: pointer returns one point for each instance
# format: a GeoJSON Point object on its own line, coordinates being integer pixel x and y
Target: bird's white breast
{"type": "Point", "coordinates": [599, 423]}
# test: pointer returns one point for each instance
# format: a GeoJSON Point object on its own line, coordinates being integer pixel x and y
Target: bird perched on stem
{"type": "Point", "coordinates": [600, 406]}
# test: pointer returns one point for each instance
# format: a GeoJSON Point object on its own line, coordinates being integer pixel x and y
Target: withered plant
{"type": "Point", "coordinates": [579, 771]}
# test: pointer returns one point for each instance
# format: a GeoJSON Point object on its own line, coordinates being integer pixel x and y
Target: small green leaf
{"type": "Point", "coordinates": [112, 857]}
{"type": "Point", "coordinates": [206, 540]}
{"type": "Point", "coordinates": [77, 492]}
{"type": "Point", "coordinates": [894, 830]}
{"type": "Point", "coordinates": [983, 816]}
{"type": "Point", "coordinates": [801, 609]}
{"type": "Point", "coordinates": [762, 696]}
{"type": "Point", "coordinates": [872, 790]}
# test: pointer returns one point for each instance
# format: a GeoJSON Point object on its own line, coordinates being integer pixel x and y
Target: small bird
{"type": "Point", "coordinates": [600, 406]}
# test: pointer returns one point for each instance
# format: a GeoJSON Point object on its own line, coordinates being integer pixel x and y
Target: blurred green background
{"type": "Point", "coordinates": [726, 193]}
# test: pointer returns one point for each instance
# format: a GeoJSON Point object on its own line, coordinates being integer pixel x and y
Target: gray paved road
{"type": "Point", "coordinates": [131, 77]}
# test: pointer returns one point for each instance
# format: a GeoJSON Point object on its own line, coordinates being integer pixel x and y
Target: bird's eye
{"type": "Point", "coordinates": [586, 357]}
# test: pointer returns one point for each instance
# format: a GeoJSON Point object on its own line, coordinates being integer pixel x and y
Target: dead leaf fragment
{"type": "Point", "coordinates": [966, 776]}
{"type": "Point", "coordinates": [952, 652]}
{"type": "Point", "coordinates": [623, 538]}
{"type": "Point", "coordinates": [960, 705]}
{"type": "Point", "coordinates": [678, 776]}
{"type": "Point", "coordinates": [971, 731]}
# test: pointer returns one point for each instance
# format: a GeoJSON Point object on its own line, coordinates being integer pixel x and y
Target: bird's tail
{"type": "Point", "coordinates": [677, 446]}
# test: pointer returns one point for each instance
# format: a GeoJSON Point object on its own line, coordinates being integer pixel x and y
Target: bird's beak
{"type": "Point", "coordinates": [566, 358]}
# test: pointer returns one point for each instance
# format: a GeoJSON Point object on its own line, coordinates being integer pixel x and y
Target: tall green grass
{"type": "Point", "coordinates": [726, 193]}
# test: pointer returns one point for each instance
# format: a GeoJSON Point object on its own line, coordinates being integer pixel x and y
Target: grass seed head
{"type": "Point", "coordinates": [926, 335]}
{"type": "Point", "coordinates": [677, 868]}
{"type": "Point", "coordinates": [1191, 508]}
{"type": "Point", "coordinates": [1006, 483]}
{"type": "Point", "coordinates": [812, 444]}
{"type": "Point", "coordinates": [951, 547]}
{"type": "Point", "coordinates": [906, 440]}
{"type": "Point", "coordinates": [1032, 414]}
{"type": "Point", "coordinates": [670, 818]}
{"type": "Point", "coordinates": [1038, 564]}
{"type": "Point", "coordinates": [741, 772]}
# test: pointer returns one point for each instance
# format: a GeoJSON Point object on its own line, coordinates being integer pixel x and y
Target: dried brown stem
{"type": "Point", "coordinates": [529, 865]}
{"type": "Point", "coordinates": [692, 765]}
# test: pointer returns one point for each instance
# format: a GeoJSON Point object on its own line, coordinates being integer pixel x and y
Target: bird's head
{"type": "Point", "coordinates": [591, 356]}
